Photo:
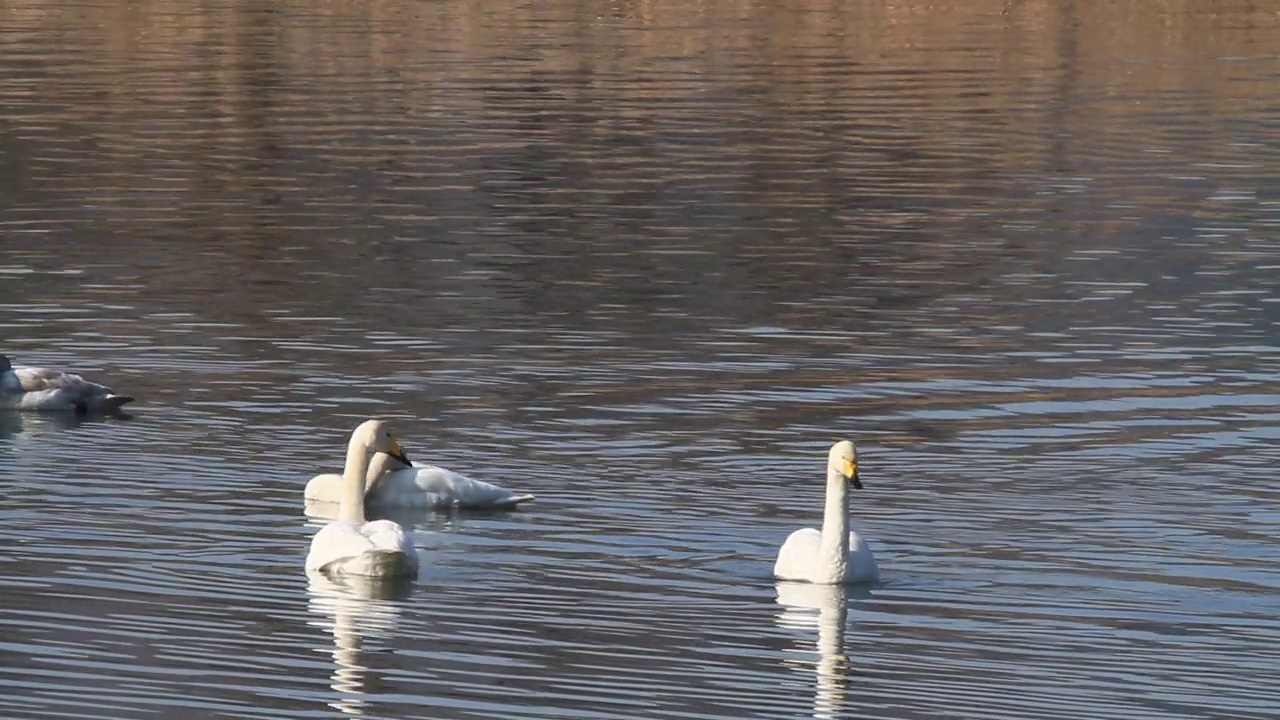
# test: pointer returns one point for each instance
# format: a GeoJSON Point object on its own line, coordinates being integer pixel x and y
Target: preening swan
{"type": "Point", "coordinates": [391, 483]}
{"type": "Point", "coordinates": [350, 545]}
{"type": "Point", "coordinates": [835, 555]}
{"type": "Point", "coordinates": [327, 487]}
{"type": "Point", "coordinates": [30, 388]}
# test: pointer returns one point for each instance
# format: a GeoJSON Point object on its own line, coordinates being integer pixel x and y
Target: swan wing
{"type": "Point", "coordinates": [798, 556]}
{"type": "Point", "coordinates": [428, 486]}
{"type": "Point", "coordinates": [388, 536]}
{"type": "Point", "coordinates": [326, 487]}
{"type": "Point", "coordinates": [800, 559]}
{"type": "Point", "coordinates": [380, 548]}
{"type": "Point", "coordinates": [861, 566]}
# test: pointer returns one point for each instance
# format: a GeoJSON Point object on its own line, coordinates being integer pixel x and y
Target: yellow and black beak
{"type": "Point", "coordinates": [851, 472]}
{"type": "Point", "coordinates": [397, 453]}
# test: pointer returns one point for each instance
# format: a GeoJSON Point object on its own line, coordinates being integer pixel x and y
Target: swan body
{"type": "Point", "coordinates": [351, 545]}
{"type": "Point", "coordinates": [391, 483]}
{"type": "Point", "coordinates": [31, 388]}
{"type": "Point", "coordinates": [835, 555]}
{"type": "Point", "coordinates": [375, 549]}
{"type": "Point", "coordinates": [327, 487]}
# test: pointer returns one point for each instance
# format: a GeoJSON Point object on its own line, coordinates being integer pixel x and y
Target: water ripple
{"type": "Point", "coordinates": [646, 263]}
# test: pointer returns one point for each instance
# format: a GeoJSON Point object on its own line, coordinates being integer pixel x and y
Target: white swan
{"type": "Point", "coordinates": [350, 545]}
{"type": "Point", "coordinates": [392, 483]}
{"type": "Point", "coordinates": [30, 388]}
{"type": "Point", "coordinates": [327, 487]}
{"type": "Point", "coordinates": [835, 555]}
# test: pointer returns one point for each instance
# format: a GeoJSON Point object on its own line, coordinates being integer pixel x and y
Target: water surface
{"type": "Point", "coordinates": [647, 260]}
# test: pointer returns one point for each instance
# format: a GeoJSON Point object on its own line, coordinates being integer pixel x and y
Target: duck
{"type": "Point", "coordinates": [836, 555]}
{"type": "Point", "coordinates": [352, 545]}
{"type": "Point", "coordinates": [32, 388]}
{"type": "Point", "coordinates": [391, 483]}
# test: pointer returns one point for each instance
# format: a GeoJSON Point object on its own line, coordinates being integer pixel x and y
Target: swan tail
{"type": "Point", "coordinates": [501, 503]}
{"type": "Point", "coordinates": [492, 502]}
{"type": "Point", "coordinates": [376, 563]}
{"type": "Point", "coordinates": [114, 402]}
{"type": "Point", "coordinates": [108, 403]}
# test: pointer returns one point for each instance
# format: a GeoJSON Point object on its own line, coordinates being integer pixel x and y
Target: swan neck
{"type": "Point", "coordinates": [377, 468]}
{"type": "Point", "coordinates": [351, 501]}
{"type": "Point", "coordinates": [835, 518]}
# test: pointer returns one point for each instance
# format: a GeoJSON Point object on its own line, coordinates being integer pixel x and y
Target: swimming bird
{"type": "Point", "coordinates": [835, 555]}
{"type": "Point", "coordinates": [392, 483]}
{"type": "Point", "coordinates": [351, 545]}
{"type": "Point", "coordinates": [30, 388]}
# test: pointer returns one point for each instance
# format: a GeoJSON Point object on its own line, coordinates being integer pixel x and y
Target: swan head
{"type": "Point", "coordinates": [376, 437]}
{"type": "Point", "coordinates": [843, 460]}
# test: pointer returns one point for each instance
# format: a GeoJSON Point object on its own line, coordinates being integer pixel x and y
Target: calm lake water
{"type": "Point", "coordinates": [647, 260]}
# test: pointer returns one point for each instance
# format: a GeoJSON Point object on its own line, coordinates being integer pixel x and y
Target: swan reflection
{"type": "Point", "coordinates": [419, 519]}
{"type": "Point", "coordinates": [354, 610]}
{"type": "Point", "coordinates": [28, 425]}
{"type": "Point", "coordinates": [825, 608]}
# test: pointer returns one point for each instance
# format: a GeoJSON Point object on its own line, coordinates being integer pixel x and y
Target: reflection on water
{"type": "Point", "coordinates": [25, 425]}
{"type": "Point", "coordinates": [647, 260]}
{"type": "Point", "coordinates": [26, 429]}
{"type": "Point", "coordinates": [355, 611]}
{"type": "Point", "coordinates": [824, 609]}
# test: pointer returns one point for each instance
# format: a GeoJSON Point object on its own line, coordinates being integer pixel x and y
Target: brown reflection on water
{"type": "Point", "coordinates": [645, 260]}
{"type": "Point", "coordinates": [733, 153]}
{"type": "Point", "coordinates": [228, 81]}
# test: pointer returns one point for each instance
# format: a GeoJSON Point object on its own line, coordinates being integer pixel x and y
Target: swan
{"type": "Point", "coordinates": [350, 545]}
{"type": "Point", "coordinates": [327, 487]}
{"type": "Point", "coordinates": [836, 555]}
{"type": "Point", "coordinates": [30, 388]}
{"type": "Point", "coordinates": [392, 483]}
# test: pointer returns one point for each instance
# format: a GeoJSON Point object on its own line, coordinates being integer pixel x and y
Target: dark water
{"type": "Point", "coordinates": [647, 260]}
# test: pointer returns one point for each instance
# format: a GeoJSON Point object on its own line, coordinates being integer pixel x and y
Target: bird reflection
{"type": "Point", "coordinates": [15, 423]}
{"type": "Point", "coordinates": [10, 424]}
{"type": "Point", "coordinates": [826, 607]}
{"type": "Point", "coordinates": [421, 520]}
{"type": "Point", "coordinates": [355, 610]}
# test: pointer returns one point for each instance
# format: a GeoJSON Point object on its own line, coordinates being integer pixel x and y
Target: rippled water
{"type": "Point", "coordinates": [646, 260]}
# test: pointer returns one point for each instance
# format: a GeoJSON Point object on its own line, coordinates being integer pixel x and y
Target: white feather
{"type": "Point", "coordinates": [428, 486]}
{"type": "Point", "coordinates": [800, 558]}
{"type": "Point", "coordinates": [380, 548]}
{"type": "Point", "coordinates": [350, 545]}
{"type": "Point", "coordinates": [835, 555]}
{"type": "Point", "coordinates": [391, 484]}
